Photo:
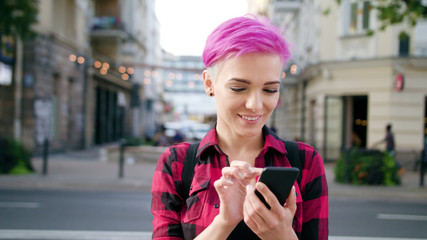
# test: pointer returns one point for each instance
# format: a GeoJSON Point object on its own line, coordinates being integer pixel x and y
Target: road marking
{"type": "Point", "coordinates": [401, 217]}
{"type": "Point", "coordinates": [72, 235]}
{"type": "Point", "coordinates": [370, 238]}
{"type": "Point", "coordinates": [15, 234]}
{"type": "Point", "coordinates": [19, 205]}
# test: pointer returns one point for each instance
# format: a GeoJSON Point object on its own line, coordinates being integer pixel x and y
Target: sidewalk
{"type": "Point", "coordinates": [83, 170]}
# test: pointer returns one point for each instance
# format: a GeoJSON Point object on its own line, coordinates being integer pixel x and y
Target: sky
{"type": "Point", "coordinates": [185, 24]}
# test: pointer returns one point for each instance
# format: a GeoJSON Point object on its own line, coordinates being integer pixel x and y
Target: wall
{"type": "Point", "coordinates": [405, 110]}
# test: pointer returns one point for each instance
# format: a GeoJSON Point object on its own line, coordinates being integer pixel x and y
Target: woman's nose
{"type": "Point", "coordinates": [254, 101]}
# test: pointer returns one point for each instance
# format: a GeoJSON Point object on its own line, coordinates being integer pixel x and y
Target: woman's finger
{"type": "Point", "coordinates": [268, 195]}
{"type": "Point", "coordinates": [251, 209]}
{"type": "Point", "coordinates": [222, 182]}
{"type": "Point", "coordinates": [229, 172]}
{"type": "Point", "coordinates": [291, 202]}
{"type": "Point", "coordinates": [245, 167]}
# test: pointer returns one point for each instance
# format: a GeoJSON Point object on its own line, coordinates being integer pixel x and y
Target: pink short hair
{"type": "Point", "coordinates": [240, 35]}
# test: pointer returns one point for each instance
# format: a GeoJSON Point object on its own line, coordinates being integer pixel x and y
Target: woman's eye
{"type": "Point", "coordinates": [271, 90]}
{"type": "Point", "coordinates": [238, 89]}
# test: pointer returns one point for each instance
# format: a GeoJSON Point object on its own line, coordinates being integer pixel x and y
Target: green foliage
{"type": "Point", "coordinates": [17, 17]}
{"type": "Point", "coordinates": [20, 169]}
{"type": "Point", "coordinates": [14, 157]}
{"type": "Point", "coordinates": [391, 12]}
{"type": "Point", "coordinates": [326, 11]}
{"type": "Point", "coordinates": [367, 167]}
{"type": "Point", "coordinates": [134, 141]}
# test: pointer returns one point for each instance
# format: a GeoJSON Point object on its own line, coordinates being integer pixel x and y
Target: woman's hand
{"type": "Point", "coordinates": [269, 224]}
{"type": "Point", "coordinates": [231, 188]}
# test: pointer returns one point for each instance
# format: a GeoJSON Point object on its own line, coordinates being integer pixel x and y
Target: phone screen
{"type": "Point", "coordinates": [279, 180]}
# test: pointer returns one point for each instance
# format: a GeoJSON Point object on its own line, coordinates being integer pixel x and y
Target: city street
{"type": "Point", "coordinates": [82, 212]}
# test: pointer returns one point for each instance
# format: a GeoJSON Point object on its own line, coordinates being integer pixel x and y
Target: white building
{"type": "Point", "coordinates": [184, 90]}
{"type": "Point", "coordinates": [347, 82]}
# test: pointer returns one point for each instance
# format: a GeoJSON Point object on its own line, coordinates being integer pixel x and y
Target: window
{"type": "Point", "coordinates": [404, 46]}
{"type": "Point", "coordinates": [358, 13]}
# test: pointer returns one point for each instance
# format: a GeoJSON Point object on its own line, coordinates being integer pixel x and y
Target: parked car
{"type": "Point", "coordinates": [193, 131]}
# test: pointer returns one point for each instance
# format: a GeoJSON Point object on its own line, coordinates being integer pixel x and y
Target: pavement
{"type": "Point", "coordinates": [84, 170]}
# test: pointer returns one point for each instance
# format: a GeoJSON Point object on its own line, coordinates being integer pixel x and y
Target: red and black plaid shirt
{"type": "Point", "coordinates": [175, 218]}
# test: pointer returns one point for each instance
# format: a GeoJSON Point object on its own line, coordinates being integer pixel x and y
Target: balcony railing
{"type": "Point", "coordinates": [287, 5]}
{"type": "Point", "coordinates": [106, 23]}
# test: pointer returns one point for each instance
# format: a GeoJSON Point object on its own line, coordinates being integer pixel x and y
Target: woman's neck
{"type": "Point", "coordinates": [239, 147]}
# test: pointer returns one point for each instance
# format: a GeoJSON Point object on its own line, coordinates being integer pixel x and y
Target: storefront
{"type": "Point", "coordinates": [336, 105]}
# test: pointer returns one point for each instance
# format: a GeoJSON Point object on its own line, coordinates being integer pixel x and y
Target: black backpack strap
{"type": "Point", "coordinates": [294, 157]}
{"type": "Point", "coordinates": [188, 169]}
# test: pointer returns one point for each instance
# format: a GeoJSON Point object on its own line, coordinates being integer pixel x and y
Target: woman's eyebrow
{"type": "Point", "coordinates": [240, 80]}
{"type": "Point", "coordinates": [248, 82]}
{"type": "Point", "coordinates": [272, 82]}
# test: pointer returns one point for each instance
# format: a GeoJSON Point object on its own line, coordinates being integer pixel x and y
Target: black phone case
{"type": "Point", "coordinates": [279, 180]}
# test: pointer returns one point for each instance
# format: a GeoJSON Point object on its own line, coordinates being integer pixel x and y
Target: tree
{"type": "Point", "coordinates": [17, 17]}
{"type": "Point", "coordinates": [391, 12]}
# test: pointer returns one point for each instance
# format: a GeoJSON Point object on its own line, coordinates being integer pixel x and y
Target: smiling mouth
{"type": "Point", "coordinates": [250, 118]}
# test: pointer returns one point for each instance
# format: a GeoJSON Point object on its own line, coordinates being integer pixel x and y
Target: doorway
{"type": "Point", "coordinates": [425, 122]}
{"type": "Point", "coordinates": [346, 124]}
{"type": "Point", "coordinates": [359, 121]}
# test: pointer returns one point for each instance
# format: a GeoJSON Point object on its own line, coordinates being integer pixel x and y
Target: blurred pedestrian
{"type": "Point", "coordinates": [179, 137]}
{"type": "Point", "coordinates": [160, 139]}
{"type": "Point", "coordinates": [356, 142]}
{"type": "Point", "coordinates": [390, 147]}
{"type": "Point", "coordinates": [244, 57]}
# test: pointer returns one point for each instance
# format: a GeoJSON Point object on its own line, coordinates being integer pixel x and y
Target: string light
{"type": "Point", "coordinates": [72, 57]}
{"type": "Point", "coordinates": [294, 69]}
{"type": "Point", "coordinates": [106, 65]}
{"type": "Point", "coordinates": [130, 70]}
{"type": "Point", "coordinates": [122, 69]}
{"type": "Point", "coordinates": [80, 60]}
{"type": "Point", "coordinates": [97, 64]}
{"type": "Point", "coordinates": [283, 75]}
{"type": "Point", "coordinates": [103, 71]}
{"type": "Point", "coordinates": [169, 83]}
{"type": "Point", "coordinates": [125, 76]}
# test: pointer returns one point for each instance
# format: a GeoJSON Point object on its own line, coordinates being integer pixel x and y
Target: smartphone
{"type": "Point", "coordinates": [279, 180]}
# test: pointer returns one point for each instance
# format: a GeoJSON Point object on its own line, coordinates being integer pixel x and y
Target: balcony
{"type": "Point", "coordinates": [107, 27]}
{"type": "Point", "coordinates": [287, 5]}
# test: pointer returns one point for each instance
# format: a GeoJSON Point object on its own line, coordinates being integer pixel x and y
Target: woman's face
{"type": "Point", "coordinates": [246, 89]}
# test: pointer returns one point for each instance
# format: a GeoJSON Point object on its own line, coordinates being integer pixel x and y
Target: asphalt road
{"type": "Point", "coordinates": [130, 211]}
{"type": "Point", "coordinates": [75, 210]}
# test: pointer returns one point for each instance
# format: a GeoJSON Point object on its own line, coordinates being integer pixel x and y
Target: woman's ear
{"type": "Point", "coordinates": [208, 83]}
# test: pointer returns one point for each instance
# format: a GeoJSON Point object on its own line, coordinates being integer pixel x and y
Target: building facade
{"type": "Point", "coordinates": [347, 84]}
{"type": "Point", "coordinates": [184, 89]}
{"type": "Point", "coordinates": [81, 78]}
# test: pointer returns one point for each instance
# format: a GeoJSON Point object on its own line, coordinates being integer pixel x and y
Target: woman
{"type": "Point", "coordinates": [244, 57]}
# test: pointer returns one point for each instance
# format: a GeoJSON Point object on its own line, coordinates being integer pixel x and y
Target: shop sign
{"type": "Point", "coordinates": [43, 109]}
{"type": "Point", "coordinates": [5, 74]}
{"type": "Point", "coordinates": [399, 82]}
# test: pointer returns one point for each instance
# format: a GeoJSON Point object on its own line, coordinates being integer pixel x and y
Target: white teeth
{"type": "Point", "coordinates": [250, 118]}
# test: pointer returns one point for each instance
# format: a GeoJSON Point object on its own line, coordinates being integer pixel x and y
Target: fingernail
{"type": "Point", "coordinates": [260, 186]}
{"type": "Point", "coordinates": [241, 175]}
{"type": "Point", "coordinates": [251, 170]}
{"type": "Point", "coordinates": [229, 180]}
